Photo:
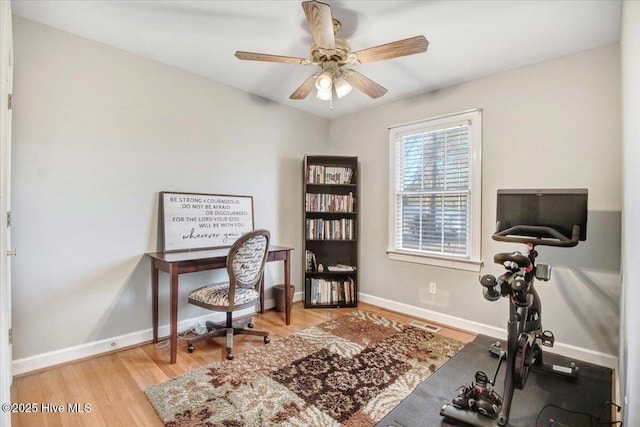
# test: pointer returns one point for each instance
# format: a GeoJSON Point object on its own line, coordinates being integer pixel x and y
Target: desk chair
{"type": "Point", "coordinates": [245, 265]}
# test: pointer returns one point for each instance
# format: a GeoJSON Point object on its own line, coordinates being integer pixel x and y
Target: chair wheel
{"type": "Point", "coordinates": [190, 348]}
{"type": "Point", "coordinates": [229, 356]}
{"type": "Point", "coordinates": [250, 325]}
{"type": "Point", "coordinates": [267, 340]}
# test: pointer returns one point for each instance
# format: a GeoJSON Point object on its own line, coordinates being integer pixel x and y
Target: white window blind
{"type": "Point", "coordinates": [433, 196]}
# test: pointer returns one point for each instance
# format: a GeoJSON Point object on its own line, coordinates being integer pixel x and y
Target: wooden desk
{"type": "Point", "coordinates": [177, 263]}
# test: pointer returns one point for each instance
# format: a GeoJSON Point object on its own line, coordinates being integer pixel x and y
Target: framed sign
{"type": "Point", "coordinates": [203, 221]}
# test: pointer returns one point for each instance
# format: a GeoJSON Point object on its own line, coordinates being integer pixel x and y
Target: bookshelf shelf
{"type": "Point", "coordinates": [332, 240]}
{"type": "Point", "coordinates": [330, 231]}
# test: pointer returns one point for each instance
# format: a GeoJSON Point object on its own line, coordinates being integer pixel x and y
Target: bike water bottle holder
{"type": "Point", "coordinates": [543, 272]}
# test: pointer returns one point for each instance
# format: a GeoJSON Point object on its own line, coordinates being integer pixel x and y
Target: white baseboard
{"type": "Point", "coordinates": [83, 351]}
{"type": "Point", "coordinates": [573, 352]}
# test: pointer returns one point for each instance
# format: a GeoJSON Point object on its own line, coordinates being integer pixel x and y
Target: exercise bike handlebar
{"type": "Point", "coordinates": [529, 233]}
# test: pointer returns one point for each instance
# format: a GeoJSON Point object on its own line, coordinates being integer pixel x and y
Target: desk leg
{"type": "Point", "coordinates": [173, 302]}
{"type": "Point", "coordinates": [154, 300]}
{"type": "Point", "coordinates": [262, 295]}
{"type": "Point", "coordinates": [287, 283]}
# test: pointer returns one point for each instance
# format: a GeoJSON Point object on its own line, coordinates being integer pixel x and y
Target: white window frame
{"type": "Point", "coordinates": [472, 261]}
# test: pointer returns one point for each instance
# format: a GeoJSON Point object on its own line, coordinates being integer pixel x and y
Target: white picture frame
{"type": "Point", "coordinates": [193, 221]}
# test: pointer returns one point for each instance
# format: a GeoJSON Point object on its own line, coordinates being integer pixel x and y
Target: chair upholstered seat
{"type": "Point", "coordinates": [218, 295]}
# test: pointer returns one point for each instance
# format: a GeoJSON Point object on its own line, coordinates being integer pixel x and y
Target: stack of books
{"type": "Point", "coordinates": [341, 267]}
{"type": "Point", "coordinates": [311, 263]}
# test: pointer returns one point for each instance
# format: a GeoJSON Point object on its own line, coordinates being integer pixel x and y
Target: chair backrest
{"type": "Point", "coordinates": [247, 257]}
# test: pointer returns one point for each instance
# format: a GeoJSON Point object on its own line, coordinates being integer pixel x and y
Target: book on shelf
{"type": "Point", "coordinates": [321, 174]}
{"type": "Point", "coordinates": [323, 291]}
{"type": "Point", "coordinates": [330, 229]}
{"type": "Point", "coordinates": [311, 263]}
{"type": "Point", "coordinates": [341, 267]}
{"type": "Point", "coordinates": [322, 202]}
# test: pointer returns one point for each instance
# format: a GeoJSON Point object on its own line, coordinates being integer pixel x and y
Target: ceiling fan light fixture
{"type": "Point", "coordinates": [324, 81]}
{"type": "Point", "coordinates": [342, 87]}
{"type": "Point", "coordinates": [324, 94]}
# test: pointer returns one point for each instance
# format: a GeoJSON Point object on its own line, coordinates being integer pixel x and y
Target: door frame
{"type": "Point", "coordinates": [6, 89]}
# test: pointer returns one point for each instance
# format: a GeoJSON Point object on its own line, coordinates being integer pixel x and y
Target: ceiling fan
{"type": "Point", "coordinates": [333, 54]}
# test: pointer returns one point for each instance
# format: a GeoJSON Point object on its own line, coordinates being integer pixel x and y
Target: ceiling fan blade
{"type": "Point", "coordinates": [363, 83]}
{"type": "Point", "coordinates": [305, 88]}
{"type": "Point", "coordinates": [251, 56]}
{"type": "Point", "coordinates": [395, 49]}
{"type": "Point", "coordinates": [320, 23]}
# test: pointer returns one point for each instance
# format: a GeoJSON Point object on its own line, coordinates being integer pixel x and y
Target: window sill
{"type": "Point", "coordinates": [457, 264]}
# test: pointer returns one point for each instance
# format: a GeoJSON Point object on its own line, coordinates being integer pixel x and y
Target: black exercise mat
{"type": "Point", "coordinates": [589, 393]}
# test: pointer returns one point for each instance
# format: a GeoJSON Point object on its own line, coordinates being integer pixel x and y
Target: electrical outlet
{"type": "Point", "coordinates": [432, 287]}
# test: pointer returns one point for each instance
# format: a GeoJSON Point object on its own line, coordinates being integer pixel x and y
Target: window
{"type": "Point", "coordinates": [435, 189]}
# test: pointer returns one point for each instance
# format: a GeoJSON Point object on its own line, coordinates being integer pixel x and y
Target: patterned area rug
{"type": "Point", "coordinates": [349, 371]}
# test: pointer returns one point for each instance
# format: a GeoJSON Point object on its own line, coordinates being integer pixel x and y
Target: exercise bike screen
{"type": "Point", "coordinates": [560, 209]}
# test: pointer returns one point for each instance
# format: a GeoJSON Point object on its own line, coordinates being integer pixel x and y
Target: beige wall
{"type": "Point", "coordinates": [551, 125]}
{"type": "Point", "coordinates": [97, 134]}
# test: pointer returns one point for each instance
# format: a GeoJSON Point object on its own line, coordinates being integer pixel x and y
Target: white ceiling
{"type": "Point", "coordinates": [467, 38]}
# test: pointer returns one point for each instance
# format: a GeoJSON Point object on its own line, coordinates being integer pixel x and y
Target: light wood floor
{"type": "Point", "coordinates": [112, 385]}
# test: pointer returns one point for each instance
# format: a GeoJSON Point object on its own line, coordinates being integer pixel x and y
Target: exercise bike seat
{"type": "Point", "coordinates": [521, 260]}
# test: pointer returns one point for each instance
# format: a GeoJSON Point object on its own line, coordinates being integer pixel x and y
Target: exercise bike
{"type": "Point", "coordinates": [525, 335]}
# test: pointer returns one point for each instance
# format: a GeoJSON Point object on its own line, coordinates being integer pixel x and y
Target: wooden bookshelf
{"type": "Point", "coordinates": [330, 231]}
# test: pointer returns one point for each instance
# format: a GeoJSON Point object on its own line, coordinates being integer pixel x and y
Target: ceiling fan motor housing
{"type": "Point", "coordinates": [339, 55]}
